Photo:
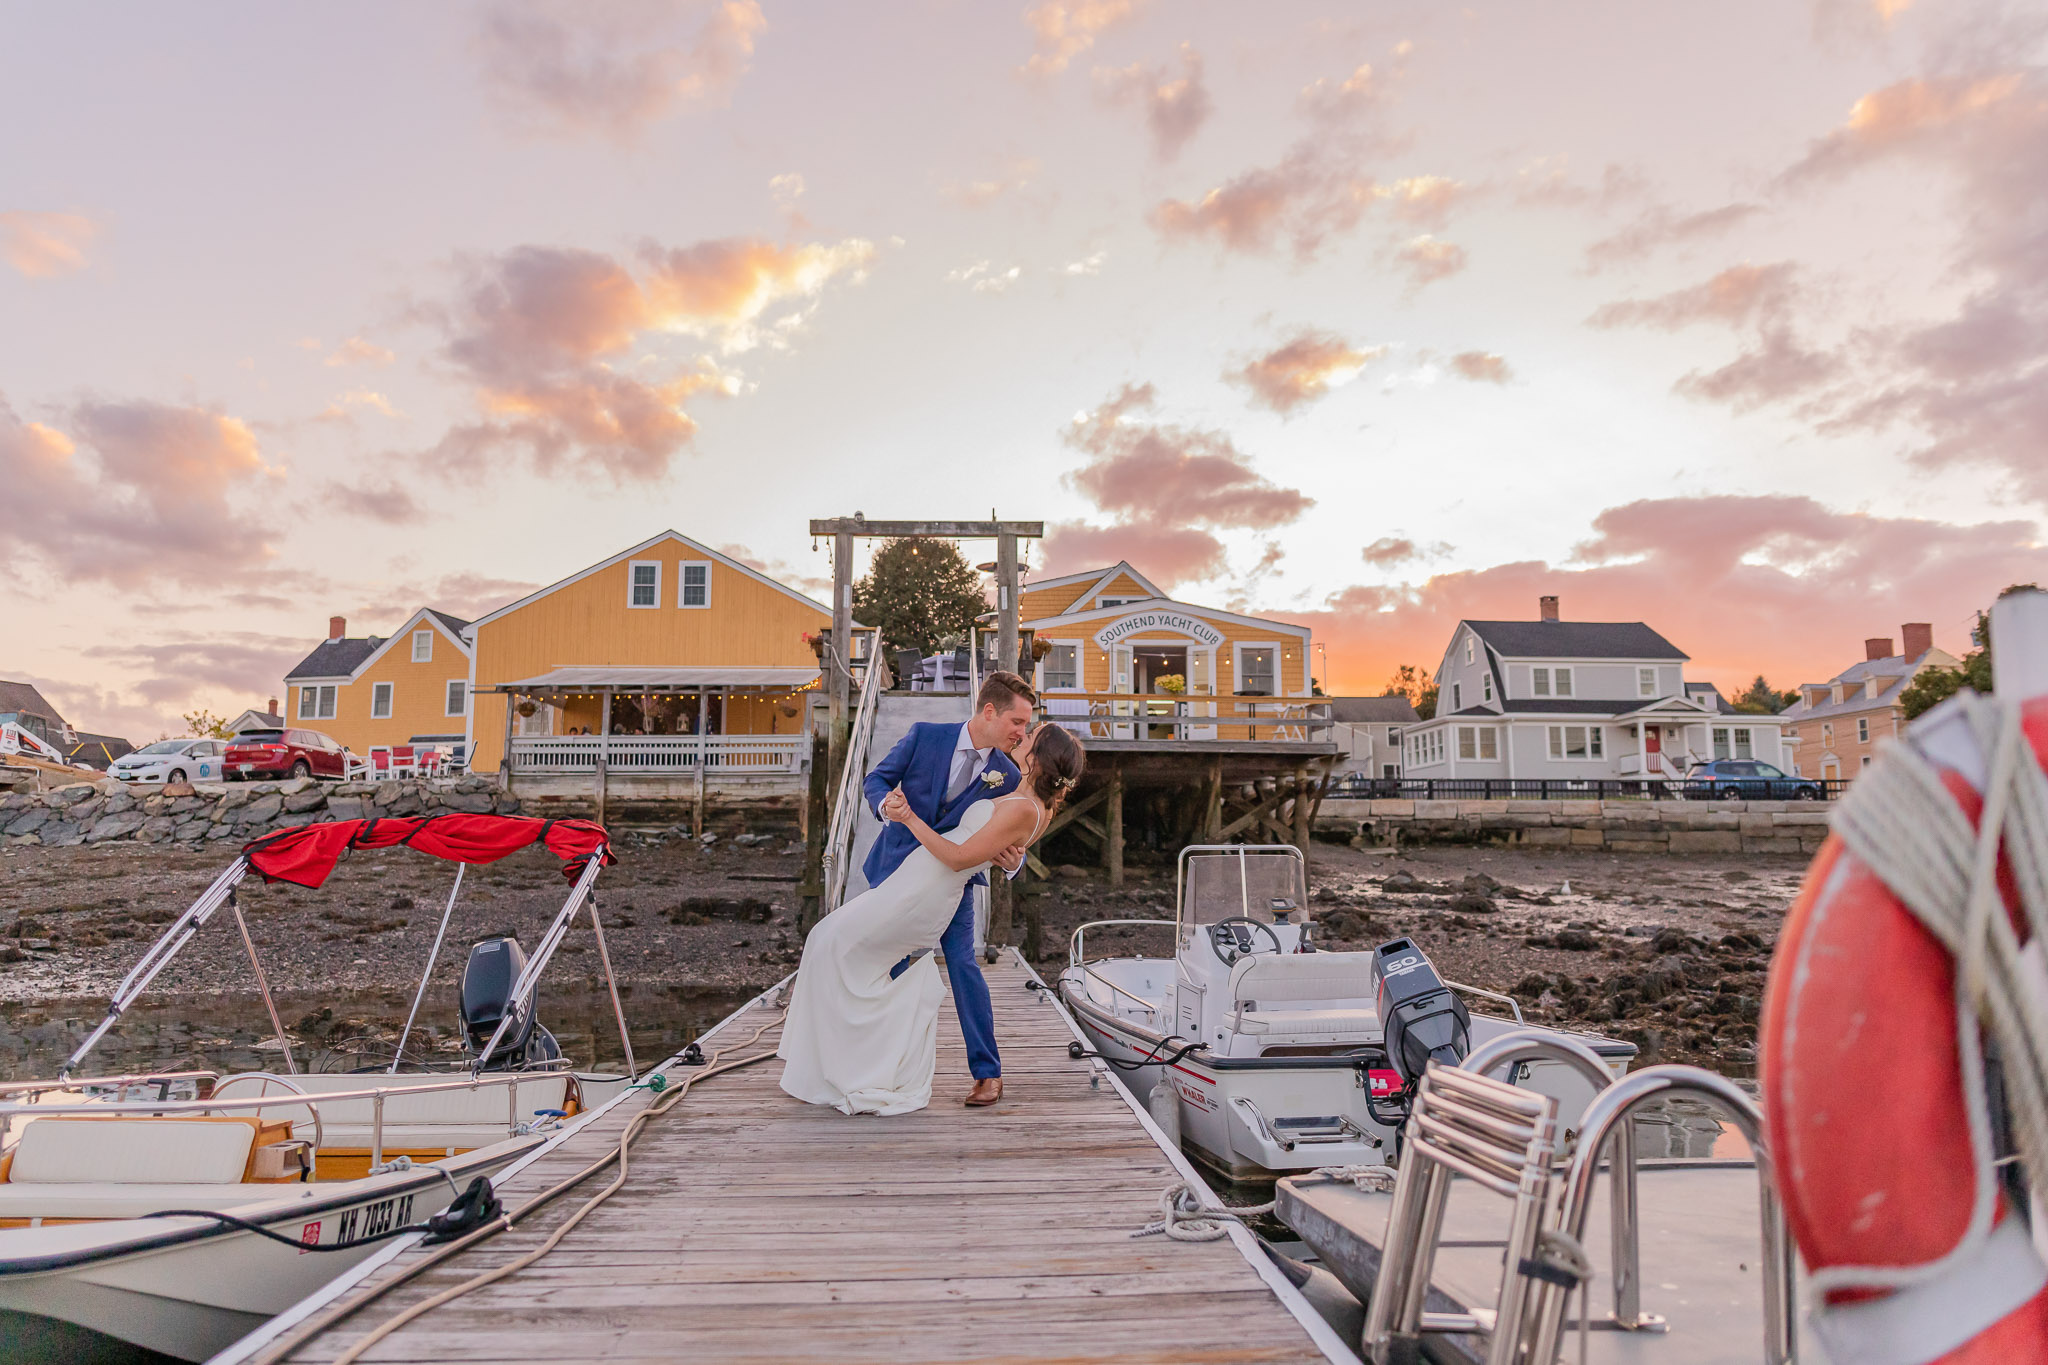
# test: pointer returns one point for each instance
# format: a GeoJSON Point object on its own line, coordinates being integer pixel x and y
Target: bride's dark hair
{"type": "Point", "coordinates": [1057, 762]}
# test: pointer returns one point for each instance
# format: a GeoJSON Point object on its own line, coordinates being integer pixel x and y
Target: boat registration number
{"type": "Point", "coordinates": [368, 1220]}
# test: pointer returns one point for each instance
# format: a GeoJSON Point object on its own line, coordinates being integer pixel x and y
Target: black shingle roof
{"type": "Point", "coordinates": [1373, 710]}
{"type": "Point", "coordinates": [334, 658]}
{"type": "Point", "coordinates": [1576, 640]}
{"type": "Point", "coordinates": [21, 696]}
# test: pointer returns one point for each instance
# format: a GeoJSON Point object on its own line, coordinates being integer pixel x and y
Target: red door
{"type": "Point", "coordinates": [1653, 740]}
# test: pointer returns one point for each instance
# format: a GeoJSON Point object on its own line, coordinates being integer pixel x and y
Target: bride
{"type": "Point", "coordinates": [858, 1039]}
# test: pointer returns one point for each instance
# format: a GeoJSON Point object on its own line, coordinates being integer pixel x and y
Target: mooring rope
{"type": "Point", "coordinates": [280, 1350]}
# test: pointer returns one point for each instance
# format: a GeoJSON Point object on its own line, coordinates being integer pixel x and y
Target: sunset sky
{"type": "Point", "coordinates": [1730, 318]}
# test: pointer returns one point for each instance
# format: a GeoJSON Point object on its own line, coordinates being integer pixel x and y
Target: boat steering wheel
{"type": "Point", "coordinates": [291, 1086]}
{"type": "Point", "coordinates": [1240, 945]}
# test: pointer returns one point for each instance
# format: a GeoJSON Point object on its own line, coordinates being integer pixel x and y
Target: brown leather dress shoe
{"type": "Point", "coordinates": [986, 1092]}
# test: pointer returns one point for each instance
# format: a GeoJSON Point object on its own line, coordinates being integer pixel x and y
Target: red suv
{"type": "Point", "coordinates": [283, 753]}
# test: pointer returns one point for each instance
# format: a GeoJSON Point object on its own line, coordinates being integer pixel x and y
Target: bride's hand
{"type": "Point", "coordinates": [895, 806]}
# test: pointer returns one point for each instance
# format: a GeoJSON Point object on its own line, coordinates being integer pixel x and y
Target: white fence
{"type": "Point", "coordinates": [726, 755]}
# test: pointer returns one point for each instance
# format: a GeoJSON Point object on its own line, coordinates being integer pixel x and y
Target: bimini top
{"type": "Point", "coordinates": [306, 855]}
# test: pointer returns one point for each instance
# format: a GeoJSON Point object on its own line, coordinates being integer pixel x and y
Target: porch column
{"type": "Point", "coordinates": [604, 728]}
{"type": "Point", "coordinates": [505, 763]}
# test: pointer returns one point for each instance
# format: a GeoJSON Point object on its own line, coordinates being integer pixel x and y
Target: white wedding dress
{"type": "Point", "coordinates": [855, 1038]}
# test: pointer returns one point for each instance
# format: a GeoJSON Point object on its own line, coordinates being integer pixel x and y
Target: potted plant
{"type": "Point", "coordinates": [1173, 684]}
{"type": "Point", "coordinates": [525, 707]}
{"type": "Point", "coordinates": [816, 640]}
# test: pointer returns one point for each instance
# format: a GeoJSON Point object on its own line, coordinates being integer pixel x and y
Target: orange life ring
{"type": "Point", "coordinates": [1880, 1129]}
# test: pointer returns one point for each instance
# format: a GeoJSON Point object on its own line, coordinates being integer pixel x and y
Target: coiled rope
{"type": "Point", "coordinates": [1903, 823]}
{"type": "Point", "coordinates": [281, 1349]}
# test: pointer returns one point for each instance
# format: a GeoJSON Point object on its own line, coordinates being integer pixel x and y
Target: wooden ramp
{"type": "Point", "coordinates": [756, 1228]}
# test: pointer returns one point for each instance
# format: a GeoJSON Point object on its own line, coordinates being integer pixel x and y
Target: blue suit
{"type": "Point", "coordinates": [922, 765]}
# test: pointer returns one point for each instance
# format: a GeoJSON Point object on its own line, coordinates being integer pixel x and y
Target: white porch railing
{"type": "Point", "coordinates": [729, 755]}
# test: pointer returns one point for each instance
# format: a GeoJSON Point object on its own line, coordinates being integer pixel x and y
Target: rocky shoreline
{"type": "Point", "coordinates": [194, 813]}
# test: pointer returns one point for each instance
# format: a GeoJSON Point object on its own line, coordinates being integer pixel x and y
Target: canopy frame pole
{"type": "Point", "coordinates": [433, 956]}
{"type": "Point", "coordinates": [166, 947]}
{"type": "Point", "coordinates": [529, 978]}
{"type": "Point", "coordinates": [612, 983]}
{"type": "Point", "coordinates": [291, 1066]}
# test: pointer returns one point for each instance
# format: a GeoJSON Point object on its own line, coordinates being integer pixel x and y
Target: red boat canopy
{"type": "Point", "coordinates": [306, 855]}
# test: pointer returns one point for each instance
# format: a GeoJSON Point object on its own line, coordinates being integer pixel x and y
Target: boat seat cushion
{"type": "Point", "coordinates": [1311, 1026]}
{"type": "Point", "coordinates": [152, 1151]}
{"type": "Point", "coordinates": [1267, 980]}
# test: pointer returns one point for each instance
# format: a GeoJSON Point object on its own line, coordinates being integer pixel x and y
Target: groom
{"type": "Point", "coordinates": [942, 770]}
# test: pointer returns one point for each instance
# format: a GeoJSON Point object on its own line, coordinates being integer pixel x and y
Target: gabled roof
{"type": "Point", "coordinates": [335, 658]}
{"type": "Point", "coordinates": [1575, 640]}
{"type": "Point", "coordinates": [1373, 710]}
{"type": "Point", "coordinates": [451, 626]}
{"type": "Point", "coordinates": [21, 696]}
{"type": "Point", "coordinates": [1072, 617]}
{"type": "Point", "coordinates": [1098, 579]}
{"type": "Point", "coordinates": [702, 550]}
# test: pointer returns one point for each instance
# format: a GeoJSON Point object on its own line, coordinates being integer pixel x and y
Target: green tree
{"type": "Point", "coordinates": [1416, 685]}
{"type": "Point", "coordinates": [1933, 686]}
{"type": "Point", "coordinates": [1761, 699]}
{"type": "Point", "coordinates": [916, 591]}
{"type": "Point", "coordinates": [206, 725]}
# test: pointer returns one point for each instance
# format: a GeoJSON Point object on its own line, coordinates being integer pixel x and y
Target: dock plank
{"type": "Point", "coordinates": [755, 1228]}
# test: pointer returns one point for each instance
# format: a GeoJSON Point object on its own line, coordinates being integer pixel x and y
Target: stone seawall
{"type": "Point", "coordinates": [194, 813]}
{"type": "Point", "coordinates": [1613, 826]}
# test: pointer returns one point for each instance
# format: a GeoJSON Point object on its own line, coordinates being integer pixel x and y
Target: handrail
{"type": "Point", "coordinates": [376, 1096]}
{"type": "Point", "coordinates": [1526, 1045]}
{"type": "Point", "coordinates": [1513, 1004]}
{"type": "Point", "coordinates": [1075, 945]}
{"type": "Point", "coordinates": [839, 837]}
{"type": "Point", "coordinates": [121, 1082]}
{"type": "Point", "coordinates": [1607, 1116]}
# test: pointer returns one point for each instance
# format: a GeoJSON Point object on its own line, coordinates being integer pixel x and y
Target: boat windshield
{"type": "Point", "coordinates": [1263, 883]}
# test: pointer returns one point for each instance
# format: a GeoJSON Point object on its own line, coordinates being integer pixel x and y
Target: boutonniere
{"type": "Point", "coordinates": [991, 780]}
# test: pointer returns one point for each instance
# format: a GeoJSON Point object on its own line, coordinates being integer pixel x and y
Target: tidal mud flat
{"type": "Point", "coordinates": [1669, 952]}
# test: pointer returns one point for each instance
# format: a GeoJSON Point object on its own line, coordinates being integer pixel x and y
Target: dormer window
{"type": "Point", "coordinates": [1564, 682]}
{"type": "Point", "coordinates": [1539, 681]}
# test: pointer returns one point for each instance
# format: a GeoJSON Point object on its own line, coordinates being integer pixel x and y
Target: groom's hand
{"type": "Point", "coordinates": [1011, 858]}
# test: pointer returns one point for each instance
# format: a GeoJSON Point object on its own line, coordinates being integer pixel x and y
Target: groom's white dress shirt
{"type": "Point", "coordinates": [968, 762]}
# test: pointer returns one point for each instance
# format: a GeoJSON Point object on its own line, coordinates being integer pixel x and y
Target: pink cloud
{"type": "Point", "coordinates": [1307, 198]}
{"type": "Point", "coordinates": [569, 69]}
{"type": "Point", "coordinates": [1660, 227]}
{"type": "Point", "coordinates": [1170, 474]}
{"type": "Point", "coordinates": [1782, 586]}
{"type": "Point", "coordinates": [1168, 555]}
{"type": "Point", "coordinates": [40, 245]}
{"type": "Point", "coordinates": [1064, 29]}
{"type": "Point", "coordinates": [1302, 370]}
{"type": "Point", "coordinates": [143, 494]}
{"type": "Point", "coordinates": [1428, 259]}
{"type": "Point", "coordinates": [1175, 106]}
{"type": "Point", "coordinates": [1482, 367]}
{"type": "Point", "coordinates": [1737, 295]}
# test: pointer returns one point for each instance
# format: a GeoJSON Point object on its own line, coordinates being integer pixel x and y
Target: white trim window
{"type": "Point", "coordinates": [1469, 650]}
{"type": "Point", "coordinates": [380, 701]}
{"type": "Point", "coordinates": [1480, 742]}
{"type": "Point", "coordinates": [1863, 729]}
{"type": "Point", "coordinates": [693, 584]}
{"type": "Point", "coordinates": [1062, 666]}
{"type": "Point", "coordinates": [316, 703]}
{"type": "Point", "coordinates": [643, 583]}
{"type": "Point", "coordinates": [1646, 682]}
{"type": "Point", "coordinates": [458, 697]}
{"type": "Point", "coordinates": [423, 646]}
{"type": "Point", "coordinates": [1486, 687]}
{"type": "Point", "coordinates": [1255, 669]}
{"type": "Point", "coordinates": [1577, 743]}
{"type": "Point", "coordinates": [1457, 696]}
{"type": "Point", "coordinates": [1539, 682]}
{"type": "Point", "coordinates": [1563, 678]}
{"type": "Point", "coordinates": [1743, 748]}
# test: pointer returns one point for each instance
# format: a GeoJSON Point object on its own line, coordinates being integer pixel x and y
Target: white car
{"type": "Point", "coordinates": [172, 760]}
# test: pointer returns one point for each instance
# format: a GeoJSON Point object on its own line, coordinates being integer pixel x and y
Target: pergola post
{"type": "Point", "coordinates": [1006, 602]}
{"type": "Point", "coordinates": [838, 674]}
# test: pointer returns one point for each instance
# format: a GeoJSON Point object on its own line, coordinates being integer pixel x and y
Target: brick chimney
{"type": "Point", "coordinates": [1546, 608]}
{"type": "Point", "coordinates": [337, 626]}
{"type": "Point", "coordinates": [270, 709]}
{"type": "Point", "coordinates": [1919, 636]}
{"type": "Point", "coordinates": [1877, 647]}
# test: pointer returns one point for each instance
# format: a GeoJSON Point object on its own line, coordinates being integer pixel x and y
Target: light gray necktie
{"type": "Point", "coordinates": [964, 763]}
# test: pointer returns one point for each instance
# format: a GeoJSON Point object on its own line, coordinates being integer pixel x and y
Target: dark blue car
{"type": "Point", "coordinates": [1740, 779]}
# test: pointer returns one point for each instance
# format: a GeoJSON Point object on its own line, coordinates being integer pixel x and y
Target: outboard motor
{"type": "Point", "coordinates": [487, 981]}
{"type": "Point", "coordinates": [1423, 1019]}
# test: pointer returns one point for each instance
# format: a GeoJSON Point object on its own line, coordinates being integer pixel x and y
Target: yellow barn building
{"type": "Point", "coordinates": [1112, 644]}
{"type": "Point", "coordinates": [665, 659]}
{"type": "Point", "coordinates": [410, 687]}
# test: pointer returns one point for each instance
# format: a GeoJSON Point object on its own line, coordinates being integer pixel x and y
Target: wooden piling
{"type": "Point", "coordinates": [1113, 850]}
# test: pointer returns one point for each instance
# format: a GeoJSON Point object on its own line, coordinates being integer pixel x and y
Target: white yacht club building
{"type": "Point", "coordinates": [1560, 700]}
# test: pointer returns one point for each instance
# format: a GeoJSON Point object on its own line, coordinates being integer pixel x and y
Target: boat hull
{"type": "Point", "coordinates": [1245, 1117]}
{"type": "Point", "coordinates": [184, 1288]}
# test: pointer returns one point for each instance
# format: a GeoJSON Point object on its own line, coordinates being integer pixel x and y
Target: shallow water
{"type": "Point", "coordinates": [336, 1032]}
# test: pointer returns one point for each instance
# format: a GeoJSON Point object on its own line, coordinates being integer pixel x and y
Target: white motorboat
{"type": "Point", "coordinates": [1264, 1054]}
{"type": "Point", "coordinates": [173, 1213]}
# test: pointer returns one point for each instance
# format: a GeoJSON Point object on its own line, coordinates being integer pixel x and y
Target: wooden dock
{"type": "Point", "coordinates": [755, 1228]}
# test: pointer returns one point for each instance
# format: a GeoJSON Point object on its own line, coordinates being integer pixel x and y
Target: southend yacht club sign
{"type": "Point", "coordinates": [1122, 629]}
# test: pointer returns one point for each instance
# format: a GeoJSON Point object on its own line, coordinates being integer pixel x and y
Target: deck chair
{"type": "Point", "coordinates": [1501, 1138]}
